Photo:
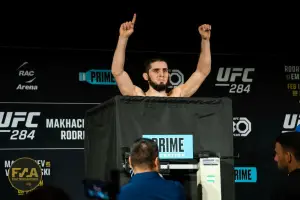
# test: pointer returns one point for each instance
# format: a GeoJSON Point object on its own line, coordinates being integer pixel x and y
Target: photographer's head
{"type": "Point", "coordinates": [287, 149]}
{"type": "Point", "coordinates": [144, 156]}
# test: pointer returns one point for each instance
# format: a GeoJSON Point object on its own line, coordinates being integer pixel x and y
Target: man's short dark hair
{"type": "Point", "coordinates": [150, 61]}
{"type": "Point", "coordinates": [143, 153]}
{"type": "Point", "coordinates": [290, 141]}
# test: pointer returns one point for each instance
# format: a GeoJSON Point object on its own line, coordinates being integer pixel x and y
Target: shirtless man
{"type": "Point", "coordinates": [156, 72]}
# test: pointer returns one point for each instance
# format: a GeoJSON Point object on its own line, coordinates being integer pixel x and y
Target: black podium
{"type": "Point", "coordinates": [117, 122]}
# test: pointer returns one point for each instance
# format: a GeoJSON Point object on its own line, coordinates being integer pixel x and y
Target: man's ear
{"type": "Point", "coordinates": [290, 157]}
{"type": "Point", "coordinates": [157, 164]}
{"type": "Point", "coordinates": [129, 162]}
{"type": "Point", "coordinates": [145, 76]}
{"type": "Point", "coordinates": [156, 161]}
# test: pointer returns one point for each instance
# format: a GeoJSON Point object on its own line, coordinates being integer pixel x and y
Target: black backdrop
{"type": "Point", "coordinates": [61, 99]}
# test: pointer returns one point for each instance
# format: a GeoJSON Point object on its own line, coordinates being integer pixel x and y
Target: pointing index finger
{"type": "Point", "coordinates": [134, 18]}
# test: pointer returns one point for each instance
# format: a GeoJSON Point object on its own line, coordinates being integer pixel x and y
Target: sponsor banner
{"type": "Point", "coordinates": [173, 146]}
{"type": "Point", "coordinates": [238, 80]}
{"type": "Point", "coordinates": [27, 77]}
{"type": "Point", "coordinates": [33, 75]}
{"type": "Point", "coordinates": [42, 125]}
{"type": "Point", "coordinates": [242, 127]}
{"type": "Point", "coordinates": [292, 75]}
{"type": "Point", "coordinates": [245, 174]}
{"type": "Point", "coordinates": [97, 77]}
{"type": "Point", "coordinates": [291, 123]}
{"type": "Point", "coordinates": [176, 78]}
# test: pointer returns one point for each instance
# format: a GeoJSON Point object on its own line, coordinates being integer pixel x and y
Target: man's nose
{"type": "Point", "coordinates": [276, 158]}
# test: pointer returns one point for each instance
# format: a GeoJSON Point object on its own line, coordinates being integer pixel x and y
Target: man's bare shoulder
{"type": "Point", "coordinates": [138, 91]}
{"type": "Point", "coordinates": [175, 92]}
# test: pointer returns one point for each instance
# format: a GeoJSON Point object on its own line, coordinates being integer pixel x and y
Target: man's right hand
{"type": "Point", "coordinates": [127, 28]}
{"type": "Point", "coordinates": [125, 85]}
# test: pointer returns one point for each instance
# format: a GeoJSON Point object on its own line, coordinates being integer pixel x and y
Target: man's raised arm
{"type": "Point", "coordinates": [122, 78]}
{"type": "Point", "coordinates": [203, 66]}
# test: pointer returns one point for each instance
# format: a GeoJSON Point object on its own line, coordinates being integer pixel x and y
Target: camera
{"type": "Point", "coordinates": [96, 189]}
{"type": "Point", "coordinates": [103, 190]}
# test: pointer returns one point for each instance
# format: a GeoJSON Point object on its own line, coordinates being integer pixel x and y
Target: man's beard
{"type": "Point", "coordinates": [158, 87]}
{"type": "Point", "coordinates": [283, 169]}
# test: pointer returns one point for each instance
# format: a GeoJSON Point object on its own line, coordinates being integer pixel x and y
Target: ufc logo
{"type": "Point", "coordinates": [291, 122]}
{"type": "Point", "coordinates": [12, 119]}
{"type": "Point", "coordinates": [231, 74]}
